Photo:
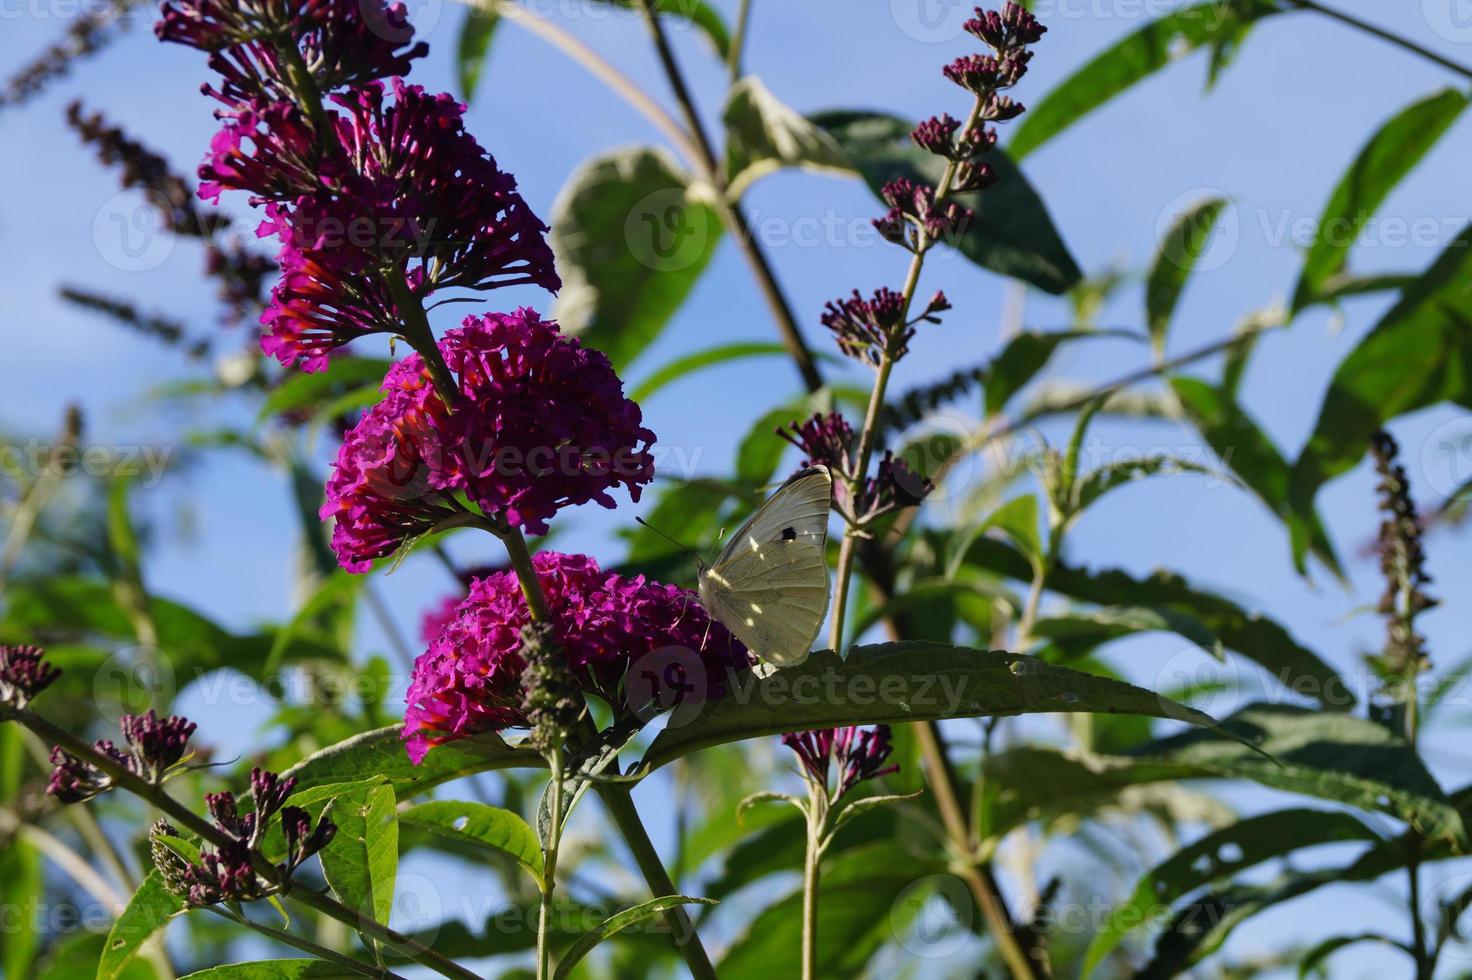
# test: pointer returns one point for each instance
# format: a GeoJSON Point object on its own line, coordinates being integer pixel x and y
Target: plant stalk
{"type": "Point", "coordinates": [156, 795]}
{"type": "Point", "coordinates": [549, 866]}
{"type": "Point", "coordinates": [1401, 42]}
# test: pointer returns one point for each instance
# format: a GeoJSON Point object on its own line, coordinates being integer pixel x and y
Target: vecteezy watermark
{"type": "Point", "coordinates": [130, 234]}
{"type": "Point", "coordinates": [1450, 19]}
{"type": "Point", "coordinates": [933, 917]}
{"type": "Point", "coordinates": [942, 21]}
{"type": "Point", "coordinates": [670, 230]}
{"type": "Point", "coordinates": [1446, 457]}
{"type": "Point", "coordinates": [1209, 241]}
{"type": "Point", "coordinates": [144, 464]}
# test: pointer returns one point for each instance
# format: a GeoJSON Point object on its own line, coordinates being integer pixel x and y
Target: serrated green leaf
{"type": "Point", "coordinates": [362, 861]}
{"type": "Point", "coordinates": [380, 754]}
{"type": "Point", "coordinates": [148, 911]}
{"type": "Point", "coordinates": [477, 823]}
{"type": "Point", "coordinates": [1188, 237]}
{"type": "Point", "coordinates": [1244, 447]}
{"type": "Point", "coordinates": [276, 970]}
{"type": "Point", "coordinates": [764, 135]}
{"type": "Point", "coordinates": [1131, 60]}
{"type": "Point", "coordinates": [617, 923]}
{"type": "Point", "coordinates": [1111, 622]}
{"type": "Point", "coordinates": [890, 683]}
{"type": "Point", "coordinates": [1011, 233]}
{"type": "Point", "coordinates": [1419, 354]}
{"type": "Point", "coordinates": [1381, 164]}
{"type": "Point", "coordinates": [1257, 638]}
{"type": "Point", "coordinates": [1219, 856]}
{"type": "Point", "coordinates": [632, 234]}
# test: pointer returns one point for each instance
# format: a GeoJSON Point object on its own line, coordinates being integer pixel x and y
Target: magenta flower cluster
{"type": "Point", "coordinates": [541, 424]}
{"type": "Point", "coordinates": [154, 747]}
{"type": "Point", "coordinates": [857, 754]}
{"type": "Point", "coordinates": [379, 197]}
{"type": "Point", "coordinates": [24, 673]}
{"type": "Point", "coordinates": [469, 681]}
{"type": "Point", "coordinates": [829, 440]}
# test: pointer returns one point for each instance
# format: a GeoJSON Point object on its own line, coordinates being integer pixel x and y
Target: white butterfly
{"type": "Point", "coordinates": [770, 584]}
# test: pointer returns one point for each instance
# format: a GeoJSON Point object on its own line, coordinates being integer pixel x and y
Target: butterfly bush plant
{"type": "Point", "coordinates": [800, 820]}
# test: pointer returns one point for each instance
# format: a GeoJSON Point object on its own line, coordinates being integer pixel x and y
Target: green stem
{"type": "Point", "coordinates": [421, 337]}
{"type": "Point", "coordinates": [307, 946]}
{"type": "Point", "coordinates": [731, 213]}
{"type": "Point", "coordinates": [526, 573]}
{"type": "Point", "coordinates": [738, 41]}
{"type": "Point", "coordinates": [549, 865]}
{"type": "Point", "coordinates": [817, 821]}
{"type": "Point", "coordinates": [1384, 35]}
{"type": "Point", "coordinates": [869, 435]}
{"type": "Point", "coordinates": [155, 795]}
{"type": "Point", "coordinates": [619, 803]}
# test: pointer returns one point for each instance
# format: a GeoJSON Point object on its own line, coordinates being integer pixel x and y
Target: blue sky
{"type": "Point", "coordinates": [1273, 136]}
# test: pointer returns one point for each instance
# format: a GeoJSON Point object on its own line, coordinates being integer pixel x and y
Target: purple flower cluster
{"type": "Point", "coordinates": [24, 673]}
{"type": "Point", "coordinates": [469, 680]}
{"type": "Point", "coordinates": [867, 329]}
{"type": "Point", "coordinates": [379, 196]}
{"type": "Point", "coordinates": [915, 219]}
{"type": "Point", "coordinates": [155, 747]}
{"type": "Point", "coordinates": [541, 424]}
{"type": "Point", "coordinates": [860, 499]}
{"type": "Point", "coordinates": [228, 873]}
{"type": "Point", "coordinates": [857, 754]}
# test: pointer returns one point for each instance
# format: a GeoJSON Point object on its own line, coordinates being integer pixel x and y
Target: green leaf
{"type": "Point", "coordinates": [700, 360]}
{"type": "Point", "coordinates": [764, 135]}
{"type": "Point", "coordinates": [477, 823]}
{"type": "Point", "coordinates": [380, 753]}
{"type": "Point", "coordinates": [1012, 232]}
{"type": "Point", "coordinates": [632, 234]}
{"type": "Point", "coordinates": [1244, 447]}
{"type": "Point", "coordinates": [891, 683]}
{"type": "Point", "coordinates": [1219, 856]}
{"type": "Point", "coordinates": [860, 910]}
{"type": "Point", "coordinates": [1112, 622]}
{"type": "Point", "coordinates": [1333, 757]}
{"type": "Point", "coordinates": [275, 970]}
{"type": "Point", "coordinates": [1101, 481]}
{"type": "Point", "coordinates": [1381, 164]}
{"type": "Point", "coordinates": [302, 390]}
{"type": "Point", "coordinates": [1131, 60]}
{"type": "Point", "coordinates": [761, 449]}
{"type": "Point", "coordinates": [362, 861]}
{"type": "Point", "coordinates": [1314, 957]}
{"type": "Point", "coordinates": [476, 33]}
{"type": "Point", "coordinates": [1330, 756]}
{"type": "Point", "coordinates": [1183, 244]}
{"type": "Point", "coordinates": [148, 911]}
{"type": "Point", "coordinates": [22, 888]}
{"type": "Point", "coordinates": [1419, 354]}
{"type": "Point", "coordinates": [617, 923]}
{"type": "Point", "coordinates": [1018, 519]}
{"type": "Point", "coordinates": [1259, 639]}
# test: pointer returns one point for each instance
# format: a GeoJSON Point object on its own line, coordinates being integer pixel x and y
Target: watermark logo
{"type": "Point", "coordinates": [667, 231]}
{"type": "Point", "coordinates": [130, 234]}
{"type": "Point", "coordinates": [1211, 243]}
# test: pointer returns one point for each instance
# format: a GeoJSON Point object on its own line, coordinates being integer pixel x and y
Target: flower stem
{"type": "Point", "coordinates": [731, 213]}
{"type": "Point", "coordinates": [307, 946]}
{"type": "Point", "coordinates": [155, 794]}
{"type": "Point", "coordinates": [738, 41]}
{"type": "Point", "coordinates": [619, 803]}
{"type": "Point", "coordinates": [549, 866]}
{"type": "Point", "coordinates": [1384, 35]}
{"type": "Point", "coordinates": [817, 820]}
{"type": "Point", "coordinates": [526, 573]}
{"type": "Point", "coordinates": [421, 337]}
{"type": "Point", "coordinates": [870, 433]}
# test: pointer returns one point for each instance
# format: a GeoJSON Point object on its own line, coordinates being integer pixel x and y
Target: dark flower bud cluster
{"type": "Point", "coordinates": [915, 219]}
{"type": "Point", "coordinates": [855, 754]}
{"type": "Point", "coordinates": [1402, 560]}
{"type": "Point", "coordinates": [24, 673]}
{"type": "Point", "coordinates": [228, 873]}
{"type": "Point", "coordinates": [550, 699]}
{"type": "Point", "coordinates": [860, 499]}
{"type": "Point", "coordinates": [156, 749]}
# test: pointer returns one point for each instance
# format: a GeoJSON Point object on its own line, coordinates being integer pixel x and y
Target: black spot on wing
{"type": "Point", "coordinates": [789, 534]}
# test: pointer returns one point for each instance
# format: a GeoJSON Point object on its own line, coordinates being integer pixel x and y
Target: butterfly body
{"type": "Point", "coordinates": [770, 584]}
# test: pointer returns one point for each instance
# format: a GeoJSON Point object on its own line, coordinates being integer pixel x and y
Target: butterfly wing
{"type": "Point", "coordinates": [770, 585]}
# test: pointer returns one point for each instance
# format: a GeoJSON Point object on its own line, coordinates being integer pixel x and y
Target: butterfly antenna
{"type": "Point", "coordinates": [678, 544]}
